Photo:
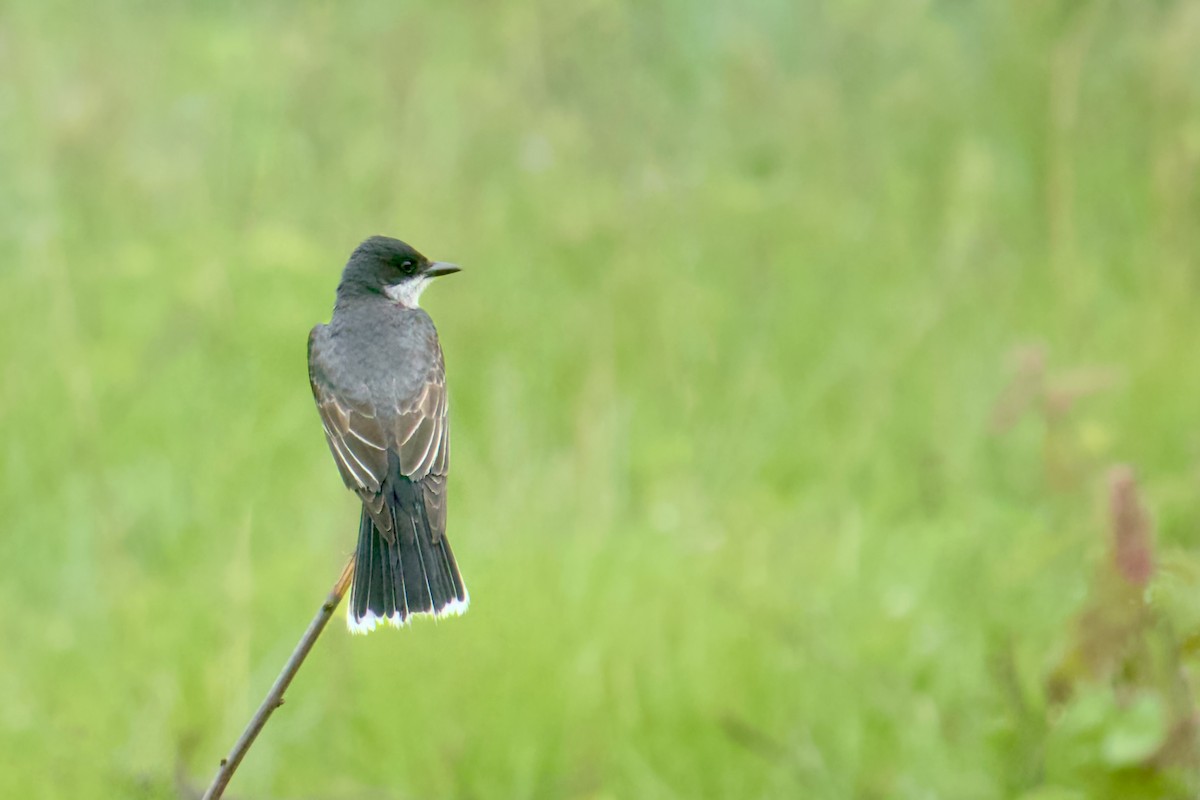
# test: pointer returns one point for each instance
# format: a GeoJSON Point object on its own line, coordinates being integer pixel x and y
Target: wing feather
{"type": "Point", "coordinates": [420, 428]}
{"type": "Point", "coordinates": [361, 433]}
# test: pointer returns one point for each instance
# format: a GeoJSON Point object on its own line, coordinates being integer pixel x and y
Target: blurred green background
{"type": "Point", "coordinates": [794, 344]}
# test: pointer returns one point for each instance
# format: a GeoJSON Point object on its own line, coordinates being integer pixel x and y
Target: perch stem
{"type": "Point", "coordinates": [274, 698]}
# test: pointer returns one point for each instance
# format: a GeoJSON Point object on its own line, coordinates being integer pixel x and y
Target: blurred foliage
{"type": "Point", "coordinates": [794, 344]}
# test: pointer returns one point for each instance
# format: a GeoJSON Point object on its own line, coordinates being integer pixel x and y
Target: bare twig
{"type": "Point", "coordinates": [1133, 538]}
{"type": "Point", "coordinates": [274, 698]}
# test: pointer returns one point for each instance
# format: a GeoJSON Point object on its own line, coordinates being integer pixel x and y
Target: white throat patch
{"type": "Point", "coordinates": [408, 293]}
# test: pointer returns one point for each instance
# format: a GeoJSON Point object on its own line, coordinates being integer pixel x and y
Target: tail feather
{"type": "Point", "coordinates": [460, 589]}
{"type": "Point", "coordinates": [439, 583]}
{"type": "Point", "coordinates": [415, 572]}
{"type": "Point", "coordinates": [360, 589]}
{"type": "Point", "coordinates": [412, 571]}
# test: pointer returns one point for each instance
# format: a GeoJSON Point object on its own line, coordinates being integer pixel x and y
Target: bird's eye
{"type": "Point", "coordinates": [407, 266]}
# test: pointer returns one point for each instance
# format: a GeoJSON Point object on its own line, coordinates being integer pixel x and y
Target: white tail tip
{"type": "Point", "coordinates": [454, 608]}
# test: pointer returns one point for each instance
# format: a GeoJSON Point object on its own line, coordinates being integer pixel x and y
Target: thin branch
{"type": "Point", "coordinates": [274, 698]}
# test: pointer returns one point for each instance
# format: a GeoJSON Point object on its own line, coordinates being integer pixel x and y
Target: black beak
{"type": "Point", "coordinates": [436, 269]}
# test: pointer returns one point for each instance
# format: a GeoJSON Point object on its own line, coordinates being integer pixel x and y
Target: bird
{"type": "Point", "coordinates": [379, 380]}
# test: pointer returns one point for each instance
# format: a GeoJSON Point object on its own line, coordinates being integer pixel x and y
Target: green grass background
{"type": "Point", "coordinates": [743, 283]}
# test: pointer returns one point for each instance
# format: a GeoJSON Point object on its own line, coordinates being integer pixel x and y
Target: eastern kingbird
{"type": "Point", "coordinates": [380, 384]}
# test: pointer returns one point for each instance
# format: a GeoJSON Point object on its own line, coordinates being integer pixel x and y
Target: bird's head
{"type": "Point", "coordinates": [382, 265]}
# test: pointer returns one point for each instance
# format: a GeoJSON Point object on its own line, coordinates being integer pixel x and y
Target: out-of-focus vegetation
{"type": "Point", "coordinates": [795, 345]}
